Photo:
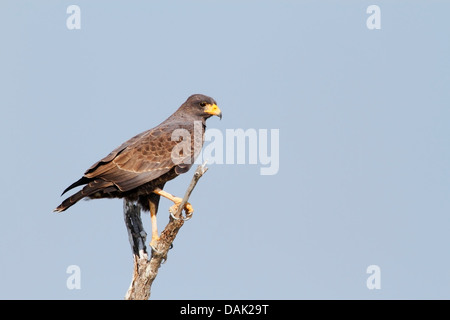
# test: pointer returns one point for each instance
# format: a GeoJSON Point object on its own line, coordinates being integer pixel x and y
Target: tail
{"type": "Point", "coordinates": [70, 201]}
{"type": "Point", "coordinates": [91, 188]}
{"type": "Point", "coordinates": [80, 182]}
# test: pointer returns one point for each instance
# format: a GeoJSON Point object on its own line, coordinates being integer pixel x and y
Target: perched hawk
{"type": "Point", "coordinates": [139, 168]}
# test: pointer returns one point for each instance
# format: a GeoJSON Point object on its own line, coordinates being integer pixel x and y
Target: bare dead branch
{"type": "Point", "coordinates": [145, 270]}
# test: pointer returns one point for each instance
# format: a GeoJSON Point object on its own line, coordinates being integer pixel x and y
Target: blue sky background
{"type": "Point", "coordinates": [364, 146]}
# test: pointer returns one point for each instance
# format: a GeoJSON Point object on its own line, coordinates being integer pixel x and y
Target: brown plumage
{"type": "Point", "coordinates": [147, 161]}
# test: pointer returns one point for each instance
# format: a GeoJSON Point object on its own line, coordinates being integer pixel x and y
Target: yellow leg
{"type": "Point", "coordinates": [155, 237]}
{"type": "Point", "coordinates": [176, 200]}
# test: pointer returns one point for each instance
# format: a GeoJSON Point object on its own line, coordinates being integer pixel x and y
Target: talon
{"type": "Point", "coordinates": [154, 243]}
{"type": "Point", "coordinates": [173, 209]}
{"type": "Point", "coordinates": [176, 200]}
{"type": "Point", "coordinates": [172, 212]}
{"type": "Point", "coordinates": [189, 215]}
{"type": "Point", "coordinates": [188, 209]}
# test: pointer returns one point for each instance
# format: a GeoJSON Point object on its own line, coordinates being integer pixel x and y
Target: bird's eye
{"type": "Point", "coordinates": [203, 104]}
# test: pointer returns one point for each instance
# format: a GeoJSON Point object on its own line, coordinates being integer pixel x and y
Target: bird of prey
{"type": "Point", "coordinates": [139, 168]}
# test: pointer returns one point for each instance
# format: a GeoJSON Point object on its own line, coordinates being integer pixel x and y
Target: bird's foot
{"type": "Point", "coordinates": [188, 209]}
{"type": "Point", "coordinates": [154, 244]}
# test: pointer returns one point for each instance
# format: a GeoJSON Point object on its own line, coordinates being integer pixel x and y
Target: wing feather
{"type": "Point", "coordinates": [141, 159]}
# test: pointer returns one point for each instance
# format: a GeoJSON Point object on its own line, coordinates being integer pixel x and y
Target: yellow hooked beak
{"type": "Point", "coordinates": [213, 110]}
